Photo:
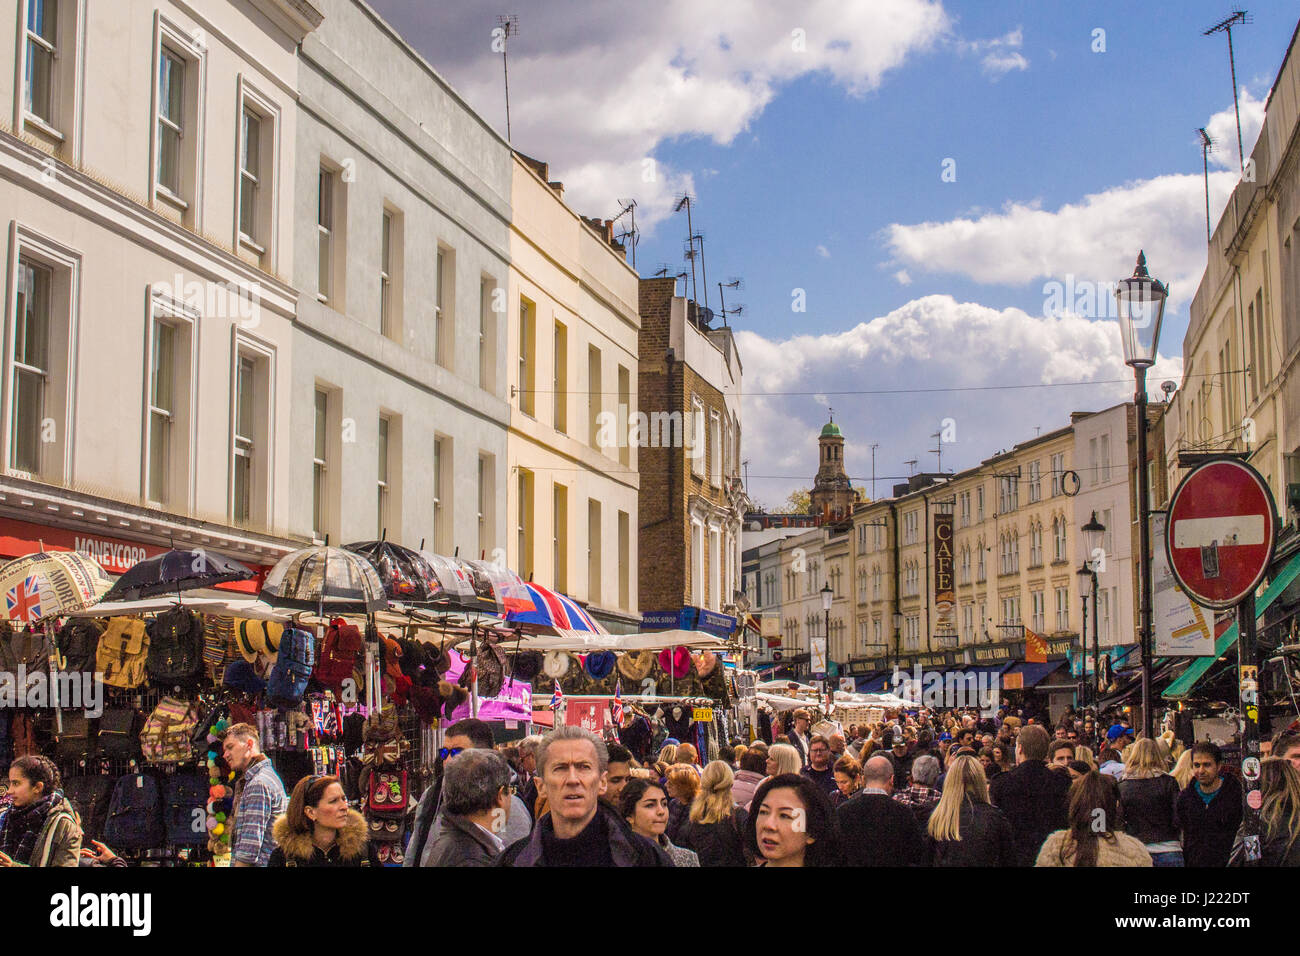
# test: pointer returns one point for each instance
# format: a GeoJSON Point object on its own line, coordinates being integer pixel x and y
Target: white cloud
{"type": "Point", "coordinates": [931, 343]}
{"type": "Point", "coordinates": [902, 277]}
{"type": "Point", "coordinates": [823, 251]}
{"type": "Point", "coordinates": [1095, 239]}
{"type": "Point", "coordinates": [998, 56]}
{"type": "Point", "coordinates": [1222, 128]}
{"type": "Point", "coordinates": [596, 87]}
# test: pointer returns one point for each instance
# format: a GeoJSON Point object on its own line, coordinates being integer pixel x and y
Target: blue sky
{"type": "Point", "coordinates": [819, 168]}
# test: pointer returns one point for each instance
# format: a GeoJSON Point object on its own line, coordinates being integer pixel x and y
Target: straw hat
{"type": "Point", "coordinates": [555, 664]}
{"type": "Point", "coordinates": [635, 665]}
{"type": "Point", "coordinates": [254, 637]}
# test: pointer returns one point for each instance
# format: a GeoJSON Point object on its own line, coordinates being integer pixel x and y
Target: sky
{"type": "Point", "coordinates": [922, 199]}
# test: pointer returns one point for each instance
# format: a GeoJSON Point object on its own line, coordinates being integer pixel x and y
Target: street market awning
{"type": "Point", "coordinates": [584, 641]}
{"type": "Point", "coordinates": [232, 607]}
{"type": "Point", "coordinates": [1029, 672]}
{"type": "Point", "coordinates": [1182, 688]}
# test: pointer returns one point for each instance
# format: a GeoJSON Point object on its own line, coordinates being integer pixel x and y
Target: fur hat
{"type": "Point", "coordinates": [526, 665]}
{"type": "Point", "coordinates": [635, 665]}
{"type": "Point", "coordinates": [555, 664]}
{"type": "Point", "coordinates": [491, 665]}
{"type": "Point", "coordinates": [675, 663]}
{"type": "Point", "coordinates": [452, 696]}
{"type": "Point", "coordinates": [705, 663]}
{"type": "Point", "coordinates": [600, 664]}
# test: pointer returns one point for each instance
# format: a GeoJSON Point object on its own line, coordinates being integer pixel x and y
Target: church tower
{"type": "Point", "coordinates": [832, 495]}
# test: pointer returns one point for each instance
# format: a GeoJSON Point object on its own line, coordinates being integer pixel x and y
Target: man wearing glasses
{"type": "Point", "coordinates": [467, 734]}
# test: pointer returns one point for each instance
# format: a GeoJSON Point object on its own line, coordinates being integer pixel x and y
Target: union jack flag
{"type": "Point", "coordinates": [616, 705]}
{"type": "Point", "coordinates": [557, 697]}
{"type": "Point", "coordinates": [24, 600]}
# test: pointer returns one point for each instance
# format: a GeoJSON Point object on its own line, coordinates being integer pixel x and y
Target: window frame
{"type": "Point", "coordinates": [245, 343]}
{"type": "Point", "coordinates": [165, 309]}
{"type": "Point", "coordinates": [263, 241]}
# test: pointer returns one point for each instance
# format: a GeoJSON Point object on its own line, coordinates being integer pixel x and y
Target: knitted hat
{"type": "Point", "coordinates": [676, 663]}
{"type": "Point", "coordinates": [635, 665]}
{"type": "Point", "coordinates": [600, 664]}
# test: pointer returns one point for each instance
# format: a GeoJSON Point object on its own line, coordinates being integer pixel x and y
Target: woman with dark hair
{"type": "Point", "coordinates": [792, 823]}
{"type": "Point", "coordinates": [319, 829]}
{"type": "Point", "coordinates": [1092, 838]}
{"type": "Point", "coordinates": [39, 828]}
{"type": "Point", "coordinates": [644, 805]}
{"type": "Point", "coordinates": [1003, 756]}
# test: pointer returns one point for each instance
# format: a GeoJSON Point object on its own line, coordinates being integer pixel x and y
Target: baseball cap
{"type": "Point", "coordinates": [1115, 732]}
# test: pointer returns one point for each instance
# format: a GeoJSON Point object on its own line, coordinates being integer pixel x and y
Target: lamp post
{"type": "Point", "coordinates": [1093, 532]}
{"type": "Point", "coordinates": [898, 638]}
{"type": "Point", "coordinates": [827, 597]}
{"type": "Point", "coordinates": [1141, 301]}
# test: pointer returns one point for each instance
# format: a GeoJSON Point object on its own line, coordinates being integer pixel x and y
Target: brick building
{"type": "Point", "coordinates": [692, 502]}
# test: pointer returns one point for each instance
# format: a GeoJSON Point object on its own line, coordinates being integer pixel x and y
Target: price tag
{"type": "Point", "coordinates": [702, 713]}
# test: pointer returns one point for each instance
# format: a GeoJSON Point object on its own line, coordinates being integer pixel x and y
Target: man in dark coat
{"type": "Point", "coordinates": [476, 805]}
{"type": "Point", "coordinates": [798, 738]}
{"type": "Point", "coordinates": [876, 830]}
{"type": "Point", "coordinates": [580, 829]}
{"type": "Point", "coordinates": [1209, 809]}
{"type": "Point", "coordinates": [1032, 797]}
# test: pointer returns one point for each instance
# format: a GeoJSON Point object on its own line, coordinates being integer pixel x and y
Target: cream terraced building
{"type": "Point", "coordinates": [573, 484]}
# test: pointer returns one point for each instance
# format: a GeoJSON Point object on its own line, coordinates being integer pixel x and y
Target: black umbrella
{"type": "Point", "coordinates": [175, 571]}
{"type": "Point", "coordinates": [407, 577]}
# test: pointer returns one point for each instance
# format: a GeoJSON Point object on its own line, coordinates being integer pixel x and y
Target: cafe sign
{"type": "Point", "coordinates": [945, 600]}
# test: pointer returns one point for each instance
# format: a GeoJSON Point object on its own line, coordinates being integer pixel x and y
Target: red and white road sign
{"type": "Point", "coordinates": [1220, 532]}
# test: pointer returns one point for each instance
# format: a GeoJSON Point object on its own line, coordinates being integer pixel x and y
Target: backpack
{"type": "Point", "coordinates": [123, 651]}
{"type": "Point", "coordinates": [75, 743]}
{"type": "Point", "coordinates": [90, 797]}
{"type": "Point", "coordinates": [175, 647]}
{"type": "Point", "coordinates": [78, 643]}
{"type": "Point", "coordinates": [293, 666]}
{"type": "Point", "coordinates": [183, 813]}
{"type": "Point", "coordinates": [30, 648]}
{"type": "Point", "coordinates": [338, 658]}
{"type": "Point", "coordinates": [167, 733]}
{"type": "Point", "coordinates": [119, 733]}
{"type": "Point", "coordinates": [218, 643]}
{"type": "Point", "coordinates": [135, 815]}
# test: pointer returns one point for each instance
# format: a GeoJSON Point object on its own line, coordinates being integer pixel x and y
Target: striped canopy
{"type": "Point", "coordinates": [44, 584]}
{"type": "Point", "coordinates": [554, 610]}
{"type": "Point", "coordinates": [331, 580]}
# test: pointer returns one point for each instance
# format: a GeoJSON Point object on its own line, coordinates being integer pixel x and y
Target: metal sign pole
{"type": "Point", "coordinates": [1248, 671]}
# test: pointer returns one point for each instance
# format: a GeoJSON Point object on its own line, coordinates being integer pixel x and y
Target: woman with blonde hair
{"type": "Point", "coordinates": [783, 758]}
{"type": "Point", "coordinates": [1149, 798]}
{"type": "Point", "coordinates": [965, 829]}
{"type": "Point", "coordinates": [681, 784]}
{"type": "Point", "coordinates": [1085, 755]}
{"type": "Point", "coordinates": [1182, 772]}
{"type": "Point", "coordinates": [667, 757]}
{"type": "Point", "coordinates": [715, 829]}
{"type": "Point", "coordinates": [1279, 782]}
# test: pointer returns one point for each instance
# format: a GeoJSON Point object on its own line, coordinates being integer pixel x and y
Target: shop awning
{"type": "Point", "coordinates": [1182, 688]}
{"type": "Point", "coordinates": [1029, 672]}
{"type": "Point", "coordinates": [981, 669]}
{"type": "Point", "coordinates": [875, 683]}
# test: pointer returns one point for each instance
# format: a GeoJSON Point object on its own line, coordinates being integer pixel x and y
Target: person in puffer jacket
{"type": "Point", "coordinates": [1092, 838]}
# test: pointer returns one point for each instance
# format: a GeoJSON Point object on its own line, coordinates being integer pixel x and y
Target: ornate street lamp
{"type": "Point", "coordinates": [1093, 532]}
{"type": "Point", "coordinates": [1141, 301]}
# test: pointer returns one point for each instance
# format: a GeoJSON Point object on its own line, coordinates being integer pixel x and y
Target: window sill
{"type": "Point", "coordinates": [169, 197]}
{"type": "Point", "coordinates": [248, 242]}
{"type": "Point", "coordinates": [32, 121]}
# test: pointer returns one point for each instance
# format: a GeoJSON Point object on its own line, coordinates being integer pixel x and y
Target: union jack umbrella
{"type": "Point", "coordinates": [45, 584]}
{"type": "Point", "coordinates": [616, 705]}
{"type": "Point", "coordinates": [557, 697]}
{"type": "Point", "coordinates": [554, 611]}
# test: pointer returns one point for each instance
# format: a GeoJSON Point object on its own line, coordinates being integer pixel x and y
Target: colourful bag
{"type": "Point", "coordinates": [167, 735]}
{"type": "Point", "coordinates": [123, 652]}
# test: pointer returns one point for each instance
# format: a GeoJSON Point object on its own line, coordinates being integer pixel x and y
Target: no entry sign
{"type": "Point", "coordinates": [1220, 533]}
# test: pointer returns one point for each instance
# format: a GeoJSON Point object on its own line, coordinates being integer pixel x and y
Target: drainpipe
{"type": "Point", "coordinates": [898, 611]}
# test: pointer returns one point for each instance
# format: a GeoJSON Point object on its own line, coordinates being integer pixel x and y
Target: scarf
{"type": "Point", "coordinates": [22, 825]}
